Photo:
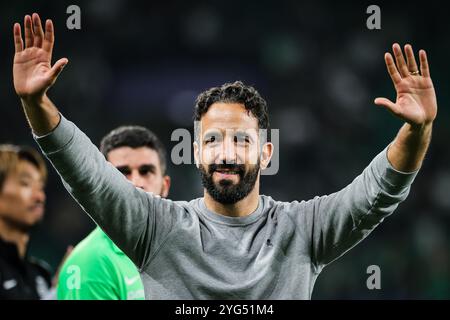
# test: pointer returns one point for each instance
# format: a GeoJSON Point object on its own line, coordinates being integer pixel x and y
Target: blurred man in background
{"type": "Point", "coordinates": [22, 178]}
{"type": "Point", "coordinates": [97, 269]}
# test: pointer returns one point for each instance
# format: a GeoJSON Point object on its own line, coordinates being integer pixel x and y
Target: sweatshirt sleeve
{"type": "Point", "coordinates": [339, 221]}
{"type": "Point", "coordinates": [137, 221]}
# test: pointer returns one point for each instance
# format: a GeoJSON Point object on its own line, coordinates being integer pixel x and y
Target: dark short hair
{"type": "Point", "coordinates": [236, 92]}
{"type": "Point", "coordinates": [10, 155]}
{"type": "Point", "coordinates": [134, 137]}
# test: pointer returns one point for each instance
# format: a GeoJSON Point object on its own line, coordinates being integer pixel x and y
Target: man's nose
{"type": "Point", "coordinates": [136, 179]}
{"type": "Point", "coordinates": [39, 195]}
{"type": "Point", "coordinates": [228, 152]}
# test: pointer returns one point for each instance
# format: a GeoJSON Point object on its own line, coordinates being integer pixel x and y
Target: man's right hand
{"type": "Point", "coordinates": [33, 74]}
{"type": "Point", "coordinates": [32, 71]}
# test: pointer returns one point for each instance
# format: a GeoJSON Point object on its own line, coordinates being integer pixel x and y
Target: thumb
{"type": "Point", "coordinates": [57, 68]}
{"type": "Point", "coordinates": [388, 104]}
{"type": "Point", "coordinates": [69, 250]}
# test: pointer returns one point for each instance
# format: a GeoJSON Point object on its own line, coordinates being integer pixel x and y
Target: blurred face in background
{"type": "Point", "coordinates": [142, 167]}
{"type": "Point", "coordinates": [22, 197]}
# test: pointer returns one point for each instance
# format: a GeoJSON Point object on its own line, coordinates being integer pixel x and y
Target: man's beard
{"type": "Point", "coordinates": [226, 192]}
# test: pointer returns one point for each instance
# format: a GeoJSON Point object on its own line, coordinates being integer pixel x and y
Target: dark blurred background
{"type": "Point", "coordinates": [319, 68]}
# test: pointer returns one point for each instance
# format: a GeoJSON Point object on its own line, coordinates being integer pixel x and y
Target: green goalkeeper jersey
{"type": "Point", "coordinates": [98, 269]}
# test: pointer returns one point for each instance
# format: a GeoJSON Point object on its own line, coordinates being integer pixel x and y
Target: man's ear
{"type": "Point", "coordinates": [266, 154]}
{"type": "Point", "coordinates": [166, 187]}
{"type": "Point", "coordinates": [196, 154]}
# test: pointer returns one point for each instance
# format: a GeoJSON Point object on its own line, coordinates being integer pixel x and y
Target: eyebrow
{"type": "Point", "coordinates": [244, 133]}
{"type": "Point", "coordinates": [25, 175]}
{"type": "Point", "coordinates": [239, 133]}
{"type": "Point", "coordinates": [148, 166]}
{"type": "Point", "coordinates": [212, 133]}
{"type": "Point", "coordinates": [28, 176]}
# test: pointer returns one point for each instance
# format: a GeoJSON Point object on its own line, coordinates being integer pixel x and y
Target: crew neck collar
{"type": "Point", "coordinates": [235, 221]}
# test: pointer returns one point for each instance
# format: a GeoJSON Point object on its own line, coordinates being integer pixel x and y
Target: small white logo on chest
{"type": "Point", "coordinates": [9, 284]}
{"type": "Point", "coordinates": [130, 281]}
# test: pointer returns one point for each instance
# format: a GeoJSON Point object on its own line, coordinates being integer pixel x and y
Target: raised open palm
{"type": "Point", "coordinates": [416, 99]}
{"type": "Point", "coordinates": [32, 70]}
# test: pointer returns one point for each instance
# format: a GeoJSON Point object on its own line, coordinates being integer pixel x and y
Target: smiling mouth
{"type": "Point", "coordinates": [227, 171]}
{"type": "Point", "coordinates": [226, 174]}
{"type": "Point", "coordinates": [37, 208]}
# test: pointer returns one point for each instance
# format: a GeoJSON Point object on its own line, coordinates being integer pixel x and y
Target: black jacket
{"type": "Point", "coordinates": [20, 278]}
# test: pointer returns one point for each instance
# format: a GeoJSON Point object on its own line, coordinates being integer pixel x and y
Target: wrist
{"type": "Point", "coordinates": [41, 113]}
{"type": "Point", "coordinates": [33, 100]}
{"type": "Point", "coordinates": [420, 128]}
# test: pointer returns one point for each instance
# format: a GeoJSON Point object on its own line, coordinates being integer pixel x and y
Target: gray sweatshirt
{"type": "Point", "coordinates": [185, 251]}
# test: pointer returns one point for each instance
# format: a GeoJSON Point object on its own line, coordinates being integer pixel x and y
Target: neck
{"type": "Point", "coordinates": [15, 236]}
{"type": "Point", "coordinates": [241, 208]}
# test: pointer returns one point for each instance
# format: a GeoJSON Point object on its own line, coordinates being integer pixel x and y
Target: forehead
{"type": "Point", "coordinates": [127, 156]}
{"type": "Point", "coordinates": [28, 170]}
{"type": "Point", "coordinates": [222, 116]}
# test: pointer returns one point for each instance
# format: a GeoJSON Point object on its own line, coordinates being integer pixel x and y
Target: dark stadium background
{"type": "Point", "coordinates": [319, 68]}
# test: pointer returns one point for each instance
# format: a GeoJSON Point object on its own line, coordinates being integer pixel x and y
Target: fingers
{"type": "Point", "coordinates": [34, 34]}
{"type": "Point", "coordinates": [18, 42]}
{"type": "Point", "coordinates": [37, 30]}
{"type": "Point", "coordinates": [401, 64]}
{"type": "Point", "coordinates": [57, 68]}
{"type": "Point", "coordinates": [392, 69]}
{"type": "Point", "coordinates": [412, 65]}
{"type": "Point", "coordinates": [388, 104]}
{"type": "Point", "coordinates": [401, 69]}
{"type": "Point", "coordinates": [28, 32]}
{"type": "Point", "coordinates": [49, 37]}
{"type": "Point", "coordinates": [424, 64]}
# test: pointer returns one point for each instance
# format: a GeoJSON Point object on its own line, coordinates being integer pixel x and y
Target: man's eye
{"type": "Point", "coordinates": [124, 172]}
{"type": "Point", "coordinates": [24, 183]}
{"type": "Point", "coordinates": [211, 139]}
{"type": "Point", "coordinates": [241, 139]}
{"type": "Point", "coordinates": [144, 172]}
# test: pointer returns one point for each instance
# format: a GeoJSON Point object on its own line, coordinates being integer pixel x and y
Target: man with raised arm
{"type": "Point", "coordinates": [232, 243]}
